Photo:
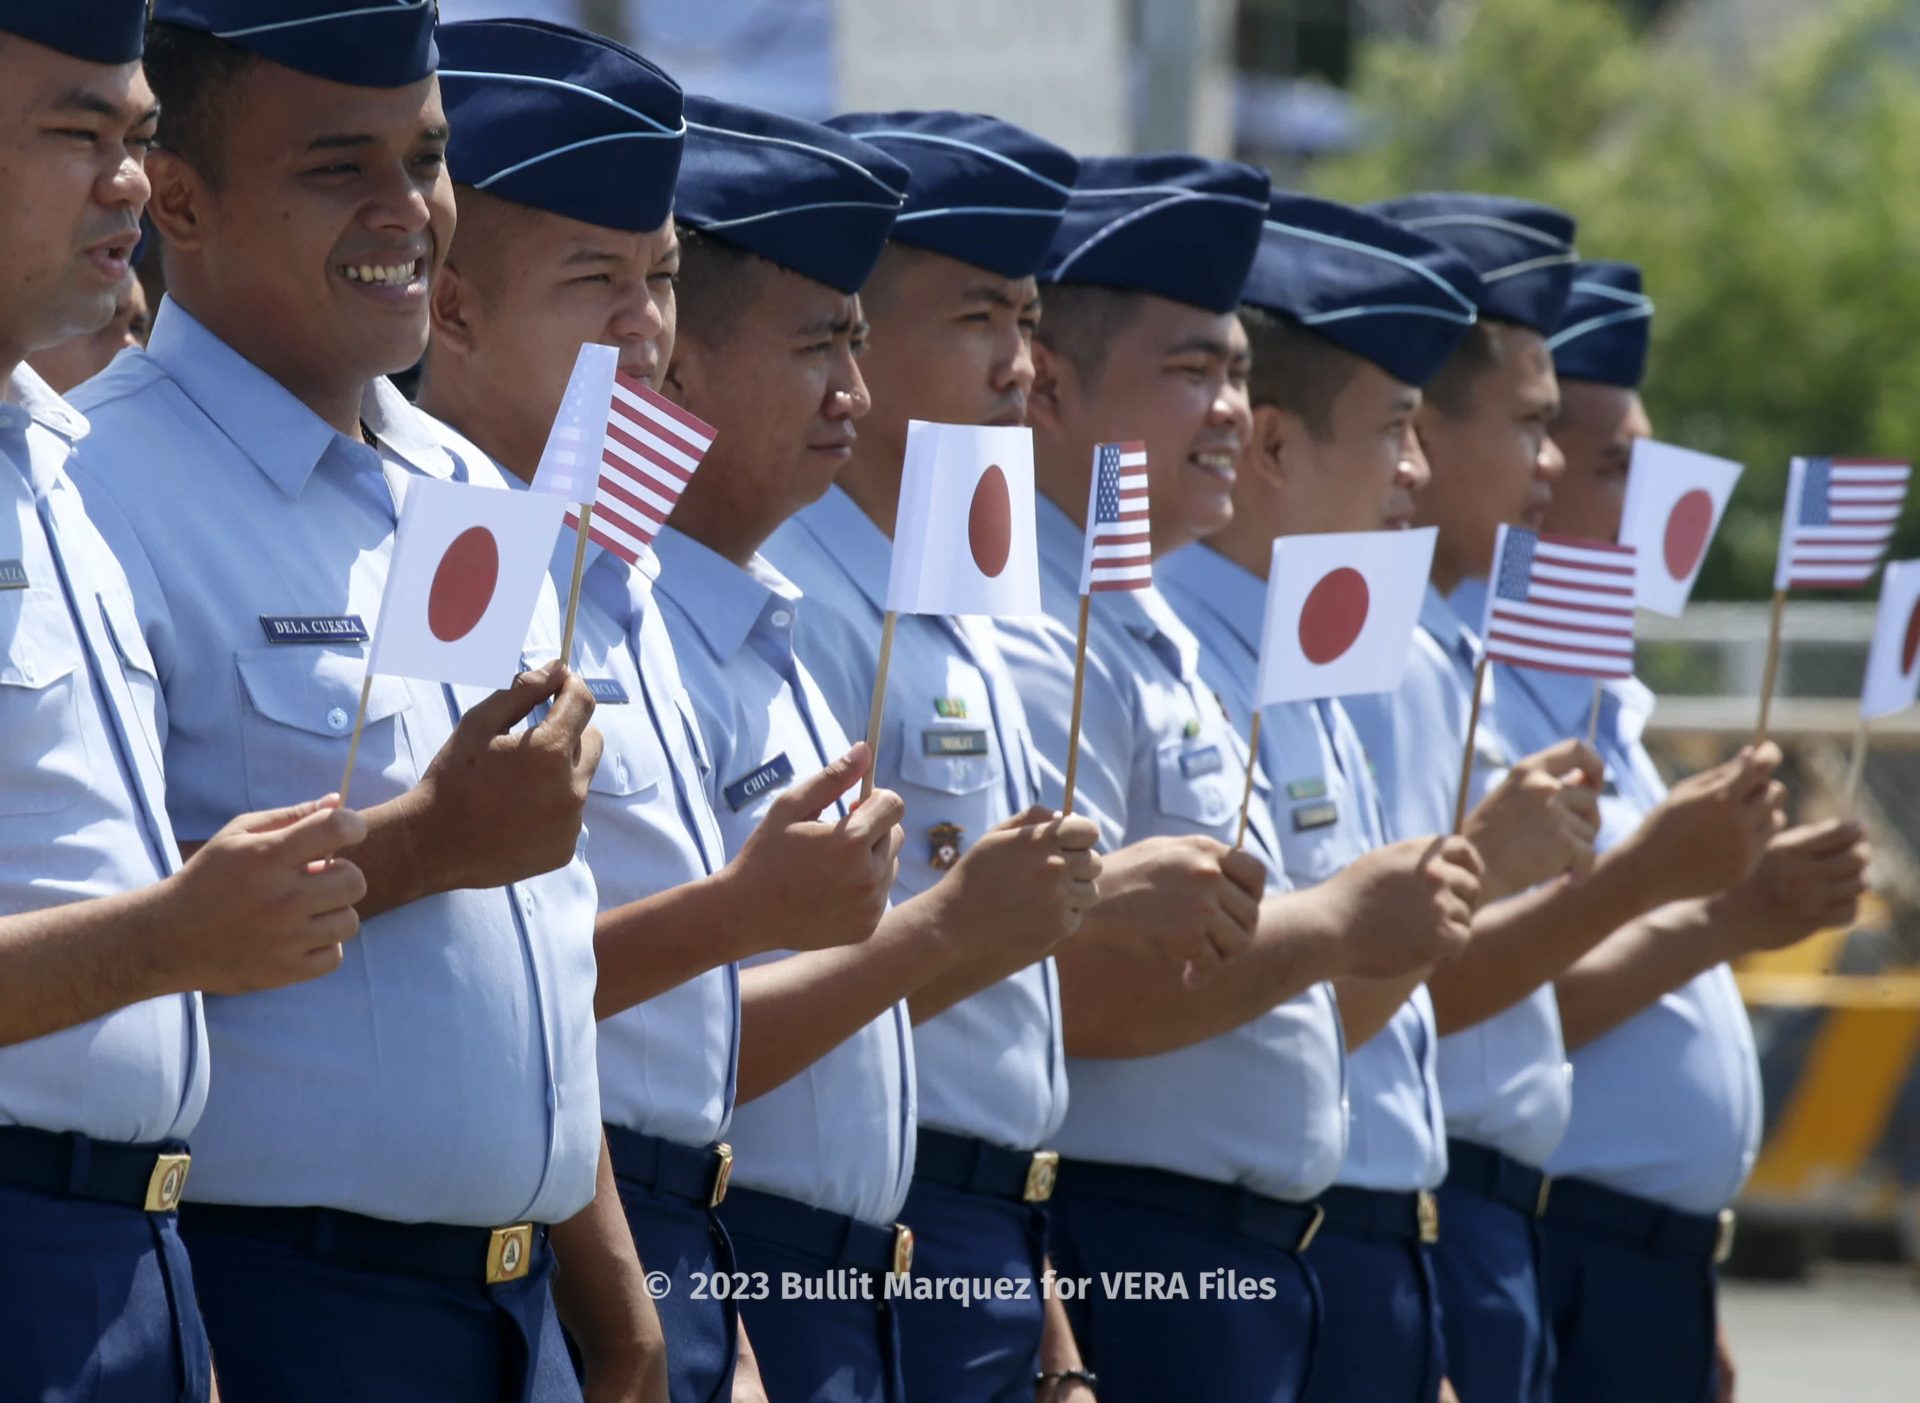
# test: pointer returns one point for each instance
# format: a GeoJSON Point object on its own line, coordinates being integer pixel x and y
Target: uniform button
{"type": "Point", "coordinates": [781, 618]}
{"type": "Point", "coordinates": [620, 771]}
{"type": "Point", "coordinates": [338, 719]}
{"type": "Point", "coordinates": [26, 671]}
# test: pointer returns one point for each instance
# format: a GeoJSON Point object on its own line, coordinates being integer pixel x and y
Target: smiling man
{"type": "Point", "coordinates": [394, 1155]}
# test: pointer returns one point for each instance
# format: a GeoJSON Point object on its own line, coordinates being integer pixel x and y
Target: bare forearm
{"type": "Point", "coordinates": [1368, 1005]}
{"type": "Point", "coordinates": [1530, 940]}
{"type": "Point", "coordinates": [660, 942]}
{"type": "Point", "coordinates": [599, 1290]}
{"type": "Point", "coordinates": [1119, 999]}
{"type": "Point", "coordinates": [1059, 1351]}
{"type": "Point", "coordinates": [65, 965]}
{"type": "Point", "coordinates": [966, 978]}
{"type": "Point", "coordinates": [796, 1010]}
{"type": "Point", "coordinates": [1632, 968]}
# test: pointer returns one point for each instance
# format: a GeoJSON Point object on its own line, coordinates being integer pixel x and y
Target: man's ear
{"type": "Point", "coordinates": [1278, 446]}
{"type": "Point", "coordinates": [1055, 397]}
{"type": "Point", "coordinates": [181, 202]}
{"type": "Point", "coordinates": [452, 302]}
{"type": "Point", "coordinates": [681, 382]}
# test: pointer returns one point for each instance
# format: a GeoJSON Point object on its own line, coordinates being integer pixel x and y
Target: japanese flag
{"type": "Point", "coordinates": [963, 539]}
{"type": "Point", "coordinates": [465, 575]}
{"type": "Point", "coordinates": [1675, 499]}
{"type": "Point", "coordinates": [1340, 613]}
{"type": "Point", "coordinates": [1893, 662]}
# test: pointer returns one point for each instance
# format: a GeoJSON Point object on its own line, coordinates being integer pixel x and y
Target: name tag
{"type": "Point", "coordinates": [1308, 817]}
{"type": "Point", "coordinates": [1315, 788]}
{"type": "Point", "coordinates": [13, 575]}
{"type": "Point", "coordinates": [313, 628]}
{"type": "Point", "coordinates": [775, 774]}
{"type": "Point", "coordinates": [607, 691]}
{"type": "Point", "coordinates": [954, 742]}
{"type": "Point", "coordinates": [1207, 760]}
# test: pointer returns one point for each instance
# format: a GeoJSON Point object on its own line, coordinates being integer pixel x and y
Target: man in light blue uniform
{"type": "Point", "coordinates": [1667, 1117]}
{"type": "Point", "coordinates": [1504, 1080]}
{"type": "Point", "coordinates": [383, 1150]}
{"type": "Point", "coordinates": [1207, 1112]}
{"type": "Point", "coordinates": [1347, 315]}
{"type": "Point", "coordinates": [952, 304]}
{"type": "Point", "coordinates": [105, 937]}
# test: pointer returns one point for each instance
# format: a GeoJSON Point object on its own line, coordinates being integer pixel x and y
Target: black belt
{"type": "Point", "coordinates": [830, 1240]}
{"type": "Point", "coordinates": [1276, 1222]}
{"type": "Point", "coordinates": [1380, 1215]}
{"type": "Point", "coordinates": [489, 1255]}
{"type": "Point", "coordinates": [149, 1177]}
{"type": "Point", "coordinates": [1637, 1222]}
{"type": "Point", "coordinates": [977, 1167]}
{"type": "Point", "coordinates": [1499, 1177]}
{"type": "Point", "coordinates": [697, 1177]}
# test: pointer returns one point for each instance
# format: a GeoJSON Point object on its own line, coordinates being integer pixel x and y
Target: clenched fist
{"type": "Point", "coordinates": [1540, 822]}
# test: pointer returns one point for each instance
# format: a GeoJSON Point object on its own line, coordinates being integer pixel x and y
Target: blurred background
{"type": "Point", "coordinates": [1761, 160]}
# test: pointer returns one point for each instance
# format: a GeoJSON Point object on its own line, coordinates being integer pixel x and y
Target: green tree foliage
{"type": "Point", "coordinates": [1775, 206]}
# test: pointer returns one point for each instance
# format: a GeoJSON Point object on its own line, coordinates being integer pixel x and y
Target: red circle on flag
{"type": "Point", "coordinates": [463, 584]}
{"type": "Point", "coordinates": [1687, 530]}
{"type": "Point", "coordinates": [990, 523]}
{"type": "Point", "coordinates": [1334, 615]}
{"type": "Point", "coordinates": [1911, 647]}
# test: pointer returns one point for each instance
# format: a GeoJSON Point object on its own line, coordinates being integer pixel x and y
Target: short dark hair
{"type": "Point", "coordinates": [1451, 389]}
{"type": "Point", "coordinates": [1296, 369]}
{"type": "Point", "coordinates": [717, 283]}
{"type": "Point", "coordinates": [1081, 320]}
{"type": "Point", "coordinates": [193, 75]}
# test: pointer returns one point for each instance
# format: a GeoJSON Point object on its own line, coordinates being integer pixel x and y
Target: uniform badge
{"type": "Point", "coordinates": [1192, 728]}
{"type": "Point", "coordinates": [13, 575]}
{"type": "Point", "coordinates": [950, 708]}
{"type": "Point", "coordinates": [943, 845]}
{"type": "Point", "coordinates": [1312, 788]}
{"type": "Point", "coordinates": [1308, 817]}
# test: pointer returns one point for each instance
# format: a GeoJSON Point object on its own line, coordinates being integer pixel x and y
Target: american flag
{"type": "Point", "coordinates": [1119, 546]}
{"type": "Point", "coordinates": [1561, 604]}
{"type": "Point", "coordinates": [1840, 517]}
{"type": "Point", "coordinates": [647, 459]}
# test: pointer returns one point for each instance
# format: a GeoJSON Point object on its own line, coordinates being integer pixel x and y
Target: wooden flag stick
{"type": "Point", "coordinates": [1773, 664]}
{"type": "Point", "coordinates": [879, 707]}
{"type": "Point", "coordinates": [353, 746]}
{"type": "Point", "coordinates": [1079, 694]}
{"type": "Point", "coordinates": [1246, 794]}
{"type": "Point", "coordinates": [1466, 759]}
{"type": "Point", "coordinates": [573, 595]}
{"type": "Point", "coordinates": [1857, 768]}
{"type": "Point", "coordinates": [1593, 719]}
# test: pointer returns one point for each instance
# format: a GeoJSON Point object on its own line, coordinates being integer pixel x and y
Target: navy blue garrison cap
{"type": "Point", "coordinates": [99, 31]}
{"type": "Point", "coordinates": [561, 120]}
{"type": "Point", "coordinates": [814, 200]}
{"type": "Point", "coordinates": [368, 43]}
{"type": "Point", "coordinates": [1180, 227]}
{"type": "Point", "coordinates": [1365, 283]}
{"type": "Point", "coordinates": [981, 190]}
{"type": "Point", "coordinates": [1523, 252]}
{"type": "Point", "coordinates": [1603, 333]}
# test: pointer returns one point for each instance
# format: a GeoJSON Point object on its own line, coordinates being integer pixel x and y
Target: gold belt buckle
{"type": "Point", "coordinates": [1723, 1244]}
{"type": "Point", "coordinates": [1042, 1172]}
{"type": "Point", "coordinates": [167, 1182]}
{"type": "Point", "coordinates": [509, 1253]}
{"type": "Point", "coordinates": [1429, 1218]}
{"type": "Point", "coordinates": [902, 1249]}
{"type": "Point", "coordinates": [1313, 1228]}
{"type": "Point", "coordinates": [722, 1174]}
{"type": "Point", "coordinates": [1546, 1191]}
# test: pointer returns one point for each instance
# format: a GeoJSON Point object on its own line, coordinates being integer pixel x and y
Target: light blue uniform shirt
{"type": "Point", "coordinates": [1263, 1105]}
{"type": "Point", "coordinates": [1327, 813]}
{"type": "Point", "coordinates": [82, 807]}
{"type": "Point", "coordinates": [992, 1065]}
{"type": "Point", "coordinates": [1505, 1083]}
{"type": "Point", "coordinates": [667, 1065]}
{"type": "Point", "coordinates": [1669, 1101]}
{"type": "Point", "coordinates": [840, 1135]}
{"type": "Point", "coordinates": [445, 1072]}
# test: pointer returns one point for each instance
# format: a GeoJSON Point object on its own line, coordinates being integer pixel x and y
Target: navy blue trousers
{"type": "Point", "coordinates": [288, 1325]}
{"type": "Point", "coordinates": [982, 1350]}
{"type": "Point", "coordinates": [1258, 1350]}
{"type": "Point", "coordinates": [1380, 1334]}
{"type": "Point", "coordinates": [1628, 1324]}
{"type": "Point", "coordinates": [687, 1246]}
{"type": "Point", "coordinates": [96, 1302]}
{"type": "Point", "coordinates": [1490, 1263]}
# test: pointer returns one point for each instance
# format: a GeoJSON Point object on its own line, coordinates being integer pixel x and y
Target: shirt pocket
{"type": "Point", "coordinates": [41, 674]}
{"type": "Point", "coordinates": [1198, 781]}
{"type": "Point", "coordinates": [298, 721]}
{"type": "Point", "coordinates": [950, 773]}
{"type": "Point", "coordinates": [631, 765]}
